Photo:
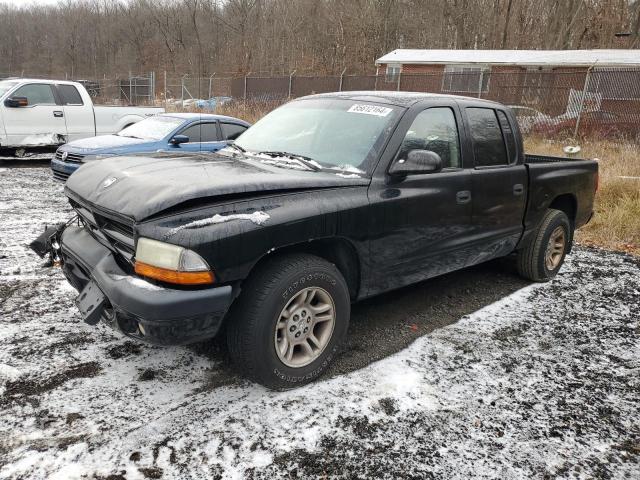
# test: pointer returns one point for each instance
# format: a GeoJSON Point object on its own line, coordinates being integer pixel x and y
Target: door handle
{"type": "Point", "coordinates": [518, 189]}
{"type": "Point", "coordinates": [464, 196]}
{"type": "Point", "coordinates": [58, 114]}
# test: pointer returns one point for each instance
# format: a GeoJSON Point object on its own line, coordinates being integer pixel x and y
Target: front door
{"type": "Point", "coordinates": [202, 137]}
{"type": "Point", "coordinates": [420, 223]}
{"type": "Point", "coordinates": [39, 123]}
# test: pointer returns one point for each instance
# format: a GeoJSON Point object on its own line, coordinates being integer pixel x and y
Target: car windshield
{"type": "Point", "coordinates": [154, 128]}
{"type": "Point", "coordinates": [333, 134]}
{"type": "Point", "coordinates": [7, 85]}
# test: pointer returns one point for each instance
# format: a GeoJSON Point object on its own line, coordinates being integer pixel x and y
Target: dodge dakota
{"type": "Point", "coordinates": [325, 201]}
{"type": "Point", "coordinates": [38, 114]}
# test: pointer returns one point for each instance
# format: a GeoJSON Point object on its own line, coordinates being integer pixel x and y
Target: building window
{"type": "Point", "coordinates": [392, 73]}
{"type": "Point", "coordinates": [466, 78]}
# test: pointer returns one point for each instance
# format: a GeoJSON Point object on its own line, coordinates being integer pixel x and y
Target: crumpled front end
{"type": "Point", "coordinates": [97, 257]}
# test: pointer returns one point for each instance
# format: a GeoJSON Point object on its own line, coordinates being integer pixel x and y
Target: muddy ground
{"type": "Point", "coordinates": [474, 374]}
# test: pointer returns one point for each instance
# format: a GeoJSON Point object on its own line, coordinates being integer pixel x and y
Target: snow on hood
{"type": "Point", "coordinates": [256, 217]}
{"type": "Point", "coordinates": [103, 142]}
{"type": "Point", "coordinates": [140, 186]}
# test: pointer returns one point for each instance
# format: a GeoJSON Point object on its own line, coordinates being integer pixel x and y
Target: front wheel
{"type": "Point", "coordinates": [542, 258]}
{"type": "Point", "coordinates": [289, 321]}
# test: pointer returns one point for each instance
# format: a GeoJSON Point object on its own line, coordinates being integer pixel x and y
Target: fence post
{"type": "Point", "coordinates": [130, 90]}
{"type": "Point", "coordinates": [341, 78]}
{"type": "Point", "coordinates": [399, 78]}
{"type": "Point", "coordinates": [587, 78]}
{"type": "Point", "coordinates": [291, 81]}
{"type": "Point", "coordinates": [182, 90]}
{"type": "Point", "coordinates": [245, 85]}
{"type": "Point", "coordinates": [210, 79]}
{"type": "Point", "coordinates": [165, 89]}
{"type": "Point", "coordinates": [480, 80]}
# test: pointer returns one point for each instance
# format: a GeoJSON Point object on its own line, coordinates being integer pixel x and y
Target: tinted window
{"type": "Point", "coordinates": [231, 131]}
{"type": "Point", "coordinates": [434, 129]}
{"type": "Point", "coordinates": [70, 95]}
{"type": "Point", "coordinates": [488, 145]}
{"type": "Point", "coordinates": [201, 132]}
{"type": "Point", "coordinates": [36, 94]}
{"type": "Point", "coordinates": [509, 137]}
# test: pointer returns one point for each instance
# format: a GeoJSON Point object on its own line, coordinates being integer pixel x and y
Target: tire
{"type": "Point", "coordinates": [534, 262]}
{"type": "Point", "coordinates": [257, 327]}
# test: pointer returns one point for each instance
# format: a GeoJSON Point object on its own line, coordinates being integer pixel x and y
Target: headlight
{"type": "Point", "coordinates": [171, 263]}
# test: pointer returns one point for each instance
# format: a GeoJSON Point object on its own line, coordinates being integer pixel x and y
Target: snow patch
{"type": "Point", "coordinates": [258, 218]}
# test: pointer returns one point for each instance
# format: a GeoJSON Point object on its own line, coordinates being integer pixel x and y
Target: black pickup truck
{"type": "Point", "coordinates": [327, 200]}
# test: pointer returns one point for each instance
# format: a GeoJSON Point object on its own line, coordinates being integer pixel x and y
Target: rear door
{"type": "Point", "coordinates": [498, 184]}
{"type": "Point", "coordinates": [78, 113]}
{"type": "Point", "coordinates": [40, 122]}
{"type": "Point", "coordinates": [420, 224]}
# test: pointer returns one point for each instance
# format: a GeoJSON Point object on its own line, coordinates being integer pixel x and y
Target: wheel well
{"type": "Point", "coordinates": [567, 204]}
{"type": "Point", "coordinates": [338, 251]}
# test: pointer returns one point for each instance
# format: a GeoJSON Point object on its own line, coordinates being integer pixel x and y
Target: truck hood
{"type": "Point", "coordinates": [141, 186]}
{"type": "Point", "coordinates": [103, 144]}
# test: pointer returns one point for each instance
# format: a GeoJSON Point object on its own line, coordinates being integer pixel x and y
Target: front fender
{"type": "Point", "coordinates": [233, 237]}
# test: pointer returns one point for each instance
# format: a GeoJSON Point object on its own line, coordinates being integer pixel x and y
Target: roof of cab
{"type": "Point", "coordinates": [402, 99]}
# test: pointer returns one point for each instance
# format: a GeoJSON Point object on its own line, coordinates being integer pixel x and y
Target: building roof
{"type": "Point", "coordinates": [515, 57]}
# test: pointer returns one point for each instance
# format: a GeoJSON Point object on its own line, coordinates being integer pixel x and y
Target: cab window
{"type": "Point", "coordinates": [201, 132]}
{"type": "Point", "coordinates": [70, 95]}
{"type": "Point", "coordinates": [488, 145]}
{"type": "Point", "coordinates": [509, 137]}
{"type": "Point", "coordinates": [231, 131]}
{"type": "Point", "coordinates": [434, 129]}
{"type": "Point", "coordinates": [36, 94]}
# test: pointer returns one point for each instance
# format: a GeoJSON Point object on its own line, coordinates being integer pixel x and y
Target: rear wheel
{"type": "Point", "coordinates": [289, 321]}
{"type": "Point", "coordinates": [543, 257]}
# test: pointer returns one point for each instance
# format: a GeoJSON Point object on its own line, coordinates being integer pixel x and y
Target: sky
{"type": "Point", "coordinates": [19, 3]}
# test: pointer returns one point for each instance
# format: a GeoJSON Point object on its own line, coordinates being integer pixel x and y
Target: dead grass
{"type": "Point", "coordinates": [616, 224]}
{"type": "Point", "coordinates": [250, 111]}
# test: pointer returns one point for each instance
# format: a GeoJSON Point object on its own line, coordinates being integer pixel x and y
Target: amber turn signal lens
{"type": "Point", "coordinates": [173, 276]}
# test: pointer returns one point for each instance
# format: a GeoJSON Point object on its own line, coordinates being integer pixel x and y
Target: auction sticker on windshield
{"type": "Point", "coordinates": [370, 110]}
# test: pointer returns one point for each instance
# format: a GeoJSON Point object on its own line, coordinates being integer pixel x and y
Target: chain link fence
{"type": "Point", "coordinates": [557, 104]}
{"type": "Point", "coordinates": [578, 103]}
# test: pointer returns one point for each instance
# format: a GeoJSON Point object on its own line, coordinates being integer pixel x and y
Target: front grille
{"type": "Point", "coordinates": [116, 234]}
{"type": "Point", "coordinates": [71, 157]}
{"type": "Point", "coordinates": [60, 176]}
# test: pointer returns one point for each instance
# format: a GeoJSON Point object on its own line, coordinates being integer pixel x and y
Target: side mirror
{"type": "Point", "coordinates": [178, 139]}
{"type": "Point", "coordinates": [16, 102]}
{"type": "Point", "coordinates": [417, 162]}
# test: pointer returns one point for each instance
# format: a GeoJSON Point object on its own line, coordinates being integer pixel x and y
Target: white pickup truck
{"type": "Point", "coordinates": [40, 114]}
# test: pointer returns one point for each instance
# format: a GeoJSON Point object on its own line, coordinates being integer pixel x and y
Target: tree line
{"type": "Point", "coordinates": [94, 38]}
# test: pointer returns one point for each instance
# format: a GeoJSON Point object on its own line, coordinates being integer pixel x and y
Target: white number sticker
{"type": "Point", "coordinates": [370, 110]}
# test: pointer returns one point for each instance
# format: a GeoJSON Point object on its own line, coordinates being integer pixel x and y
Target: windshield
{"type": "Point", "coordinates": [334, 133]}
{"type": "Point", "coordinates": [154, 128]}
{"type": "Point", "coordinates": [7, 85]}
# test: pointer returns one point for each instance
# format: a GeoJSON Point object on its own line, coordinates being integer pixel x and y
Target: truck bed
{"type": "Point", "coordinates": [551, 177]}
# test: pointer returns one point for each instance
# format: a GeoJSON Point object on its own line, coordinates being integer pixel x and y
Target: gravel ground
{"type": "Point", "coordinates": [476, 374]}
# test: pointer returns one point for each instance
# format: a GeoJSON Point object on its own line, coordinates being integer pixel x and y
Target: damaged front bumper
{"type": "Point", "coordinates": [139, 309]}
